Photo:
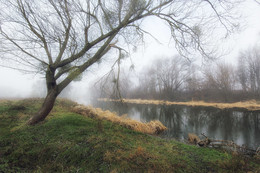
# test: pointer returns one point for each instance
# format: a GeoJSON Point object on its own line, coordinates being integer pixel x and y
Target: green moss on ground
{"type": "Point", "coordinates": [69, 142]}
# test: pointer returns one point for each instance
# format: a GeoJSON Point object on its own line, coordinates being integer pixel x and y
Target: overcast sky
{"type": "Point", "coordinates": [15, 84]}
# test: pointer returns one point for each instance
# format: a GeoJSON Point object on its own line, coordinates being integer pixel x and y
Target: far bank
{"type": "Point", "coordinates": [251, 105]}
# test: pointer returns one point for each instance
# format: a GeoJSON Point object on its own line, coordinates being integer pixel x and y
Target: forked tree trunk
{"type": "Point", "coordinates": [45, 109]}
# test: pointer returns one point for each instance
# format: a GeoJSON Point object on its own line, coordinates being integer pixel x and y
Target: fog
{"type": "Point", "coordinates": [15, 84]}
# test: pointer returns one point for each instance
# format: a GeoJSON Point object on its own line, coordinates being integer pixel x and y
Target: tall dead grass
{"type": "Point", "coordinates": [251, 105]}
{"type": "Point", "coordinates": [152, 127]}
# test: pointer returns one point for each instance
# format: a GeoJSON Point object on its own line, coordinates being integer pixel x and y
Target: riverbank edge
{"type": "Point", "coordinates": [70, 142]}
{"type": "Point", "coordinates": [250, 105]}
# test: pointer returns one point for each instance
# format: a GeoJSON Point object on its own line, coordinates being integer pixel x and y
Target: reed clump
{"type": "Point", "coordinates": [153, 127]}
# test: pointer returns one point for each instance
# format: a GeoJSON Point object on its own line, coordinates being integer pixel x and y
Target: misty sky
{"type": "Point", "coordinates": [15, 84]}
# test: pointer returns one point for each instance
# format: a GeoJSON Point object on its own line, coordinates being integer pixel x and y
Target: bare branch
{"type": "Point", "coordinates": [22, 49]}
{"type": "Point", "coordinates": [41, 37]}
{"type": "Point", "coordinates": [102, 50]}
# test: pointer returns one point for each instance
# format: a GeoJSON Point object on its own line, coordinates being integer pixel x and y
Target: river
{"type": "Point", "coordinates": [240, 126]}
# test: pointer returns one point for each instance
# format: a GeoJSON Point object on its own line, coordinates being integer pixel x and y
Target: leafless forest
{"type": "Point", "coordinates": [177, 79]}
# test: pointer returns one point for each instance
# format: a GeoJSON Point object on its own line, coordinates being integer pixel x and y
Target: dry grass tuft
{"type": "Point", "coordinates": [139, 153]}
{"type": "Point", "coordinates": [193, 139]}
{"type": "Point", "coordinates": [152, 127]}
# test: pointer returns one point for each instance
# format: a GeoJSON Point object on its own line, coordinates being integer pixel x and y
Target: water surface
{"type": "Point", "coordinates": [228, 124]}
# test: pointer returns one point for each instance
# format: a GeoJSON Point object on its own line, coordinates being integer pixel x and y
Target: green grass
{"type": "Point", "coordinates": [68, 142]}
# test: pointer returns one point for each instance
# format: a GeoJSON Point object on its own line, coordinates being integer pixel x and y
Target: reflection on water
{"type": "Point", "coordinates": [240, 126]}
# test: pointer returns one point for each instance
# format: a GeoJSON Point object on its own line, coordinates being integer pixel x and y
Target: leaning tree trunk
{"type": "Point", "coordinates": [45, 109]}
{"type": "Point", "coordinates": [49, 99]}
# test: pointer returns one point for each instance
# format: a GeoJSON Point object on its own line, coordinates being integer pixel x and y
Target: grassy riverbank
{"type": "Point", "coordinates": [251, 105]}
{"type": "Point", "coordinates": [69, 142]}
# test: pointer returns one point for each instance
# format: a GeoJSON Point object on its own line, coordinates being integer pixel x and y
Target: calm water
{"type": "Point", "coordinates": [243, 127]}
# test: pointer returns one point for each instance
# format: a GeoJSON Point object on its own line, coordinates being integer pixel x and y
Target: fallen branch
{"type": "Point", "coordinates": [192, 138]}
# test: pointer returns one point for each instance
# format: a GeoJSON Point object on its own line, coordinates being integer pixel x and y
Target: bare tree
{"type": "Point", "coordinates": [62, 39]}
{"type": "Point", "coordinates": [163, 79]}
{"type": "Point", "coordinates": [108, 86]}
{"type": "Point", "coordinates": [249, 71]}
{"type": "Point", "coordinates": [193, 83]}
{"type": "Point", "coordinates": [147, 84]}
{"type": "Point", "coordinates": [220, 81]}
{"type": "Point", "coordinates": [225, 80]}
{"type": "Point", "coordinates": [171, 74]}
{"type": "Point", "coordinates": [242, 74]}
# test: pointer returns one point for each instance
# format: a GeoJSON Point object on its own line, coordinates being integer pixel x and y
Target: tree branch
{"type": "Point", "coordinates": [102, 50]}
{"type": "Point", "coordinates": [41, 37]}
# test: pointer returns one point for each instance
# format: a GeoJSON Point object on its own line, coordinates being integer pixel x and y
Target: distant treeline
{"type": "Point", "coordinates": [178, 79]}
